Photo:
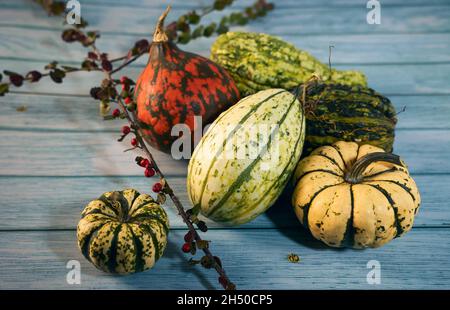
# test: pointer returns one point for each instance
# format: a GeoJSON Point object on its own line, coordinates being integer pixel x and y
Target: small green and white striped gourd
{"type": "Point", "coordinates": [123, 231]}
{"type": "Point", "coordinates": [243, 162]}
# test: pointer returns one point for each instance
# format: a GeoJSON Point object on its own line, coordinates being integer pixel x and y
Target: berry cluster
{"type": "Point", "coordinates": [182, 31]}
{"type": "Point", "coordinates": [192, 242]}
{"type": "Point", "coordinates": [107, 93]}
{"type": "Point", "coordinates": [127, 91]}
{"type": "Point", "coordinates": [149, 171]}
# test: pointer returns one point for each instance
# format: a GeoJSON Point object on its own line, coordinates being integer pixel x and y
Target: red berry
{"type": "Point", "coordinates": [144, 163]}
{"type": "Point", "coordinates": [106, 65]}
{"type": "Point", "coordinates": [186, 248]}
{"type": "Point", "coordinates": [34, 76]}
{"type": "Point", "coordinates": [116, 113]}
{"type": "Point", "coordinates": [134, 142]}
{"type": "Point", "coordinates": [16, 79]}
{"type": "Point", "coordinates": [125, 87]}
{"type": "Point", "coordinates": [128, 100]}
{"type": "Point", "coordinates": [126, 130]}
{"type": "Point", "coordinates": [157, 187]}
{"type": "Point", "coordinates": [149, 172]}
{"type": "Point", "coordinates": [92, 56]}
{"type": "Point", "coordinates": [188, 237]}
{"type": "Point", "coordinates": [123, 79]}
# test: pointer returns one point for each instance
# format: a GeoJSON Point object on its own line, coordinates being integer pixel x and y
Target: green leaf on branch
{"type": "Point", "coordinates": [209, 30]}
{"type": "Point", "coordinates": [184, 38]}
{"type": "Point", "coordinates": [88, 65]}
{"type": "Point", "coordinates": [10, 73]}
{"type": "Point", "coordinates": [51, 65]}
{"type": "Point", "coordinates": [203, 244]}
{"type": "Point", "coordinates": [4, 88]}
{"type": "Point", "coordinates": [57, 75]}
{"type": "Point", "coordinates": [193, 18]}
{"type": "Point", "coordinates": [104, 110]}
{"type": "Point", "coordinates": [69, 69]}
{"type": "Point", "coordinates": [198, 32]}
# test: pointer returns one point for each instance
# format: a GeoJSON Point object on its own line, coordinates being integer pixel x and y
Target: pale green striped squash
{"type": "Point", "coordinates": [258, 61]}
{"type": "Point", "coordinates": [234, 189]}
{"type": "Point", "coordinates": [123, 231]}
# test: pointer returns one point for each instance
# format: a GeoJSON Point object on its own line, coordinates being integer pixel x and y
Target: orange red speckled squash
{"type": "Point", "coordinates": [175, 86]}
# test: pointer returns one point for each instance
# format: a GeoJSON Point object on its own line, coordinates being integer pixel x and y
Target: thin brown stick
{"type": "Point", "coordinates": [126, 63]}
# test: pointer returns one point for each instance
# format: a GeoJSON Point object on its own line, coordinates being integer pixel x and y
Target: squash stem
{"type": "Point", "coordinates": [301, 89]}
{"type": "Point", "coordinates": [355, 174]}
{"type": "Point", "coordinates": [160, 35]}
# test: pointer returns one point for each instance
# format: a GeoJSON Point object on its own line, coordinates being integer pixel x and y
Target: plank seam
{"type": "Point", "coordinates": [296, 227]}
{"type": "Point", "coordinates": [36, 93]}
{"type": "Point", "coordinates": [337, 64]}
{"type": "Point", "coordinates": [6, 176]}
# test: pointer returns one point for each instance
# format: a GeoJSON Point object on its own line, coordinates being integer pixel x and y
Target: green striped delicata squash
{"type": "Point", "coordinates": [123, 232]}
{"type": "Point", "coordinates": [259, 61]}
{"type": "Point", "coordinates": [247, 156]}
{"type": "Point", "coordinates": [351, 113]}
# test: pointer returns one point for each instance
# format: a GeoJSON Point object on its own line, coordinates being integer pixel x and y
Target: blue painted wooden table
{"type": "Point", "coordinates": [58, 154]}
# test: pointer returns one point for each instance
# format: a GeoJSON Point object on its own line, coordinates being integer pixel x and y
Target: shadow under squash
{"type": "Point", "coordinates": [62, 243]}
{"type": "Point", "coordinates": [282, 215]}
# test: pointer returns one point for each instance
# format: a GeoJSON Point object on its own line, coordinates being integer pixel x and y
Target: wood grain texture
{"type": "Point", "coordinates": [407, 79]}
{"type": "Point", "coordinates": [341, 19]}
{"type": "Point", "coordinates": [47, 112]}
{"type": "Point", "coordinates": [195, 4]}
{"type": "Point", "coordinates": [56, 153]}
{"type": "Point", "coordinates": [419, 260]}
{"type": "Point", "coordinates": [56, 202]}
{"type": "Point", "coordinates": [46, 45]}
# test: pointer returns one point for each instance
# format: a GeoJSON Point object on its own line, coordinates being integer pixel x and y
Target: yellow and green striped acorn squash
{"type": "Point", "coordinates": [350, 195]}
{"type": "Point", "coordinates": [259, 61]}
{"type": "Point", "coordinates": [123, 232]}
{"type": "Point", "coordinates": [243, 162]}
{"type": "Point", "coordinates": [350, 113]}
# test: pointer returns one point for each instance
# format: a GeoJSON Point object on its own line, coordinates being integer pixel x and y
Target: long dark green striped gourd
{"type": "Point", "coordinates": [244, 161]}
{"type": "Point", "coordinates": [123, 232]}
{"type": "Point", "coordinates": [347, 113]}
{"type": "Point", "coordinates": [258, 61]}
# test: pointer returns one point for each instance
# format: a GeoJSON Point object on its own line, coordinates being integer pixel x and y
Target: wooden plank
{"type": "Point", "coordinates": [63, 153]}
{"type": "Point", "coordinates": [408, 79]}
{"type": "Point", "coordinates": [36, 144]}
{"type": "Point", "coordinates": [138, 19]}
{"type": "Point", "coordinates": [139, 4]}
{"type": "Point", "coordinates": [56, 153]}
{"type": "Point", "coordinates": [82, 114]}
{"type": "Point", "coordinates": [56, 202]}
{"type": "Point", "coordinates": [45, 46]}
{"type": "Point", "coordinates": [419, 260]}
{"type": "Point", "coordinates": [305, 33]}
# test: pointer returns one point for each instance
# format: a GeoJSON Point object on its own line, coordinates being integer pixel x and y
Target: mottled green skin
{"type": "Point", "coordinates": [123, 232]}
{"type": "Point", "coordinates": [338, 112]}
{"type": "Point", "coordinates": [224, 181]}
{"type": "Point", "coordinates": [259, 61]}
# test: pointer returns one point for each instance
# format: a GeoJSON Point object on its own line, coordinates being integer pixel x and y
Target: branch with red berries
{"type": "Point", "coordinates": [193, 240]}
{"type": "Point", "coordinates": [181, 31]}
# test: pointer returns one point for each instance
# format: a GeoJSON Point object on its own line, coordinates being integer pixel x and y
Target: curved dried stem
{"type": "Point", "coordinates": [159, 34]}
